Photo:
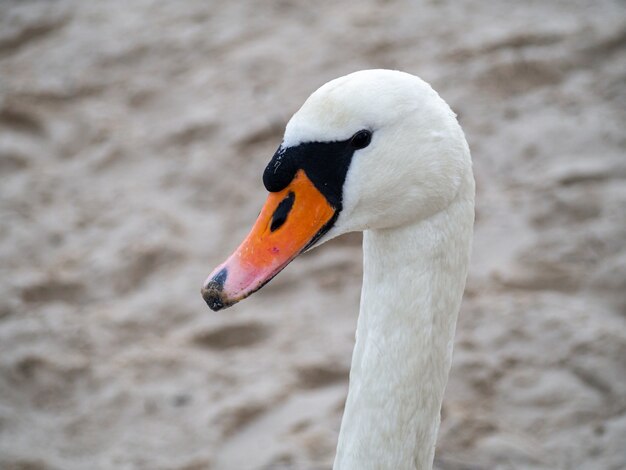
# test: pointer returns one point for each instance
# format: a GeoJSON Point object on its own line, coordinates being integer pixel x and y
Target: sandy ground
{"type": "Point", "coordinates": [133, 138]}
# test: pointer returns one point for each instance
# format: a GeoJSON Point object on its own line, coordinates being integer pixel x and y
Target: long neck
{"type": "Point", "coordinates": [413, 282]}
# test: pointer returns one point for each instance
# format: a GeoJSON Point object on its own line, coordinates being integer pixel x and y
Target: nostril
{"type": "Point", "coordinates": [282, 211]}
{"type": "Point", "coordinates": [277, 222]}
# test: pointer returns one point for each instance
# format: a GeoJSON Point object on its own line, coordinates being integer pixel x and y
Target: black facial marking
{"type": "Point", "coordinates": [325, 164]}
{"type": "Point", "coordinates": [282, 211]}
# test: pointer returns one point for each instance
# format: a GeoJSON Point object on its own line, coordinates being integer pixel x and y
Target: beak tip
{"type": "Point", "coordinates": [212, 292]}
{"type": "Point", "coordinates": [214, 299]}
{"type": "Point", "coordinates": [215, 303]}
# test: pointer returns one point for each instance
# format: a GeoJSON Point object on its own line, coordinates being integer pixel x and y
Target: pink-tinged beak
{"type": "Point", "coordinates": [290, 221]}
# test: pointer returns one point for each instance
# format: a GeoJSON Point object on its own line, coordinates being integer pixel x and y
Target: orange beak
{"type": "Point", "coordinates": [291, 220]}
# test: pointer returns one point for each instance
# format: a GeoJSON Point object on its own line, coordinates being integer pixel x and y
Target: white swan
{"type": "Point", "coordinates": [377, 151]}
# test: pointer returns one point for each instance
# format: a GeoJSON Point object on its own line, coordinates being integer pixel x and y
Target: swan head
{"type": "Point", "coordinates": [374, 149]}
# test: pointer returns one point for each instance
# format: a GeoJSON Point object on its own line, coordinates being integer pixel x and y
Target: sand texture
{"type": "Point", "coordinates": [133, 136]}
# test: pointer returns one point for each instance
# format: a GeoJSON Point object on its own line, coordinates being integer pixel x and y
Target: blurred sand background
{"type": "Point", "coordinates": [133, 138]}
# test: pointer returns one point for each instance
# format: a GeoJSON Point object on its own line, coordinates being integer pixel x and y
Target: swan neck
{"type": "Point", "coordinates": [414, 277]}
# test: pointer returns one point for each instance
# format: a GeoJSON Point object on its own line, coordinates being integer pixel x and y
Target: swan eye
{"type": "Point", "coordinates": [361, 139]}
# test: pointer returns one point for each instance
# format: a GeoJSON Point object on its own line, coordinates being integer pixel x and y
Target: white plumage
{"type": "Point", "coordinates": [407, 183]}
{"type": "Point", "coordinates": [412, 193]}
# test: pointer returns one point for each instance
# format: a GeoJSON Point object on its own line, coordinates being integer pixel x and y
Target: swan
{"type": "Point", "coordinates": [376, 151]}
